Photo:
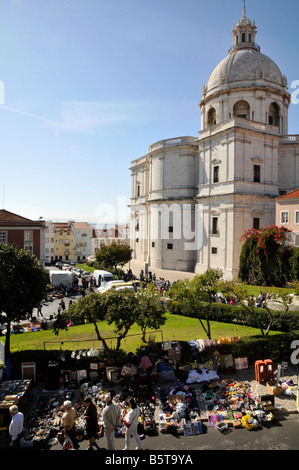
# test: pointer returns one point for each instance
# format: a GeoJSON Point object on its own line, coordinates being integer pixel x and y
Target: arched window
{"type": "Point", "coordinates": [212, 117]}
{"type": "Point", "coordinates": [273, 115]}
{"type": "Point", "coordinates": [242, 109]}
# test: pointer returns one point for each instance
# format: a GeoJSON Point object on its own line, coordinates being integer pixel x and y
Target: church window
{"type": "Point", "coordinates": [216, 174]}
{"type": "Point", "coordinates": [138, 190]}
{"type": "Point", "coordinates": [242, 109]}
{"type": "Point", "coordinates": [212, 117]}
{"type": "Point", "coordinates": [153, 244]}
{"type": "Point", "coordinates": [243, 37]}
{"type": "Point", "coordinates": [170, 229]}
{"type": "Point", "coordinates": [215, 225]}
{"type": "Point", "coordinates": [257, 173]}
{"type": "Point", "coordinates": [214, 250]}
{"type": "Point", "coordinates": [249, 37]}
{"type": "Point", "coordinates": [273, 115]}
{"type": "Point", "coordinates": [169, 246]}
{"type": "Point", "coordinates": [284, 217]}
{"type": "Point", "coordinates": [256, 223]}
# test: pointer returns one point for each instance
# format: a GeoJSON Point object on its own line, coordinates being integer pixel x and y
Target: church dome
{"type": "Point", "coordinates": [244, 67]}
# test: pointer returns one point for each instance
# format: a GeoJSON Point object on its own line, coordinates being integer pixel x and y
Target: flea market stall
{"type": "Point", "coordinates": [183, 399]}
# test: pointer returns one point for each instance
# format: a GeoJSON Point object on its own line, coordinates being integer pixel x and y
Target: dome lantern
{"type": "Point", "coordinates": [244, 34]}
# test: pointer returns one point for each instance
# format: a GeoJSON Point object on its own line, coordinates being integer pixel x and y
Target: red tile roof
{"type": "Point", "coordinates": [291, 195]}
{"type": "Point", "coordinates": [9, 218]}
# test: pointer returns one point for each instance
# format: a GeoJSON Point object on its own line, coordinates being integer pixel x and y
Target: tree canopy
{"type": "Point", "coordinates": [122, 309]}
{"type": "Point", "coordinates": [198, 294]}
{"type": "Point", "coordinates": [23, 283]}
{"type": "Point", "coordinates": [112, 256]}
{"type": "Point", "coordinates": [274, 299]}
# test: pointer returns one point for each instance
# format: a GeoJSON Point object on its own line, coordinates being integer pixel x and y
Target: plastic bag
{"type": "Point", "coordinates": [67, 445]}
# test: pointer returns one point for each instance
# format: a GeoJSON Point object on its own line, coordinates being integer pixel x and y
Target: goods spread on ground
{"type": "Point", "coordinates": [179, 409]}
{"type": "Point", "coordinates": [182, 400]}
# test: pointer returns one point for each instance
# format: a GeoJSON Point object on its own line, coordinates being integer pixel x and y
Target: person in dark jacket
{"type": "Point", "coordinates": [91, 420]}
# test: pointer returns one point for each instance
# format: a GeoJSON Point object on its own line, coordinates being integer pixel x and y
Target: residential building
{"type": "Point", "coordinates": [83, 235]}
{"type": "Point", "coordinates": [64, 242]}
{"type": "Point", "coordinates": [24, 233]}
{"type": "Point", "coordinates": [49, 243]}
{"type": "Point", "coordinates": [287, 215]}
{"type": "Point", "coordinates": [106, 236]}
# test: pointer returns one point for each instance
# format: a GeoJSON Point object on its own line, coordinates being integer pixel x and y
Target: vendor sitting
{"type": "Point", "coordinates": [128, 372]}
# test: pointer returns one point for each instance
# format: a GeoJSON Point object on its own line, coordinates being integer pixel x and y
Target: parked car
{"type": "Point", "coordinates": [86, 274]}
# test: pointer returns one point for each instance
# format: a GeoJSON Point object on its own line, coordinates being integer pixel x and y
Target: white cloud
{"type": "Point", "coordinates": [87, 116]}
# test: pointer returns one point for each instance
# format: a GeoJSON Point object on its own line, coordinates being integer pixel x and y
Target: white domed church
{"type": "Point", "coordinates": [192, 198]}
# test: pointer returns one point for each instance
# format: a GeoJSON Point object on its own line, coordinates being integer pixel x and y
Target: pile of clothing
{"type": "Point", "coordinates": [201, 375]}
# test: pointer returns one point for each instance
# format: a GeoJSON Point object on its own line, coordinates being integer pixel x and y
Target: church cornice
{"type": "Point", "coordinates": [235, 195]}
{"type": "Point", "coordinates": [285, 95]}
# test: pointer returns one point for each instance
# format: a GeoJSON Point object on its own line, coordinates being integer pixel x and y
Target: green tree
{"type": "Point", "coordinates": [295, 264]}
{"type": "Point", "coordinates": [122, 312]}
{"type": "Point", "coordinates": [91, 309]}
{"type": "Point", "coordinates": [113, 256]}
{"type": "Point", "coordinates": [23, 285]}
{"type": "Point", "coordinates": [274, 300]}
{"type": "Point", "coordinates": [151, 313]}
{"type": "Point", "coordinates": [197, 295]}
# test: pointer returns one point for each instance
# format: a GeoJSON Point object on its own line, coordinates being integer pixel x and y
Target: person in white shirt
{"type": "Point", "coordinates": [16, 426]}
{"type": "Point", "coordinates": [112, 419]}
{"type": "Point", "coordinates": [131, 423]}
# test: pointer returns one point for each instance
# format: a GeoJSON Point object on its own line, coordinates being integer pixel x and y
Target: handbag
{"type": "Point", "coordinates": [67, 445]}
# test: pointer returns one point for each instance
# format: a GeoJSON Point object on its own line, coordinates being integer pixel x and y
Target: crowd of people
{"type": "Point", "coordinates": [136, 388]}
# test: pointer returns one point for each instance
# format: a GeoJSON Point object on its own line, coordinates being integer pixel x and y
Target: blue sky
{"type": "Point", "coordinates": [89, 85]}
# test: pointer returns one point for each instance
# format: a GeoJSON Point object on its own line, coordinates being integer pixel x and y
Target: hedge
{"type": "Point", "coordinates": [235, 314]}
{"type": "Point", "coordinates": [276, 347]}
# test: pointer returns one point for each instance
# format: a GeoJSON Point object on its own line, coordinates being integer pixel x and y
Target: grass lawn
{"type": "Point", "coordinates": [255, 290]}
{"type": "Point", "coordinates": [85, 267]}
{"type": "Point", "coordinates": [176, 328]}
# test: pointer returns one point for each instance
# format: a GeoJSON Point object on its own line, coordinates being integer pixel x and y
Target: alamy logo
{"type": "Point", "coordinates": [295, 353]}
{"type": "Point", "coordinates": [295, 94]}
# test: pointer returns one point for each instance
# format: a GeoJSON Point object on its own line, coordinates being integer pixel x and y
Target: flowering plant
{"type": "Point", "coordinates": [265, 237]}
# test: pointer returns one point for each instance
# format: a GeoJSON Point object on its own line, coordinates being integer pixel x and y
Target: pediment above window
{"type": "Point", "coordinates": [257, 160]}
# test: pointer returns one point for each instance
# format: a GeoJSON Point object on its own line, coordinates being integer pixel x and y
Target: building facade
{"type": "Point", "coordinates": [83, 235]}
{"type": "Point", "coordinates": [193, 198]}
{"type": "Point", "coordinates": [287, 214]}
{"type": "Point", "coordinates": [64, 242]}
{"type": "Point", "coordinates": [24, 233]}
{"type": "Point", "coordinates": [49, 243]}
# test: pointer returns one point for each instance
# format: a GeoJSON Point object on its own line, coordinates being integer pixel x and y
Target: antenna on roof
{"type": "Point", "coordinates": [3, 196]}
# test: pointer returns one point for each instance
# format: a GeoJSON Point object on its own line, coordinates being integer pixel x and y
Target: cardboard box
{"type": "Point", "coordinates": [273, 388]}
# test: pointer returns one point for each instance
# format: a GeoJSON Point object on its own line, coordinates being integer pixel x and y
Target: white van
{"type": "Point", "coordinates": [101, 278]}
{"type": "Point", "coordinates": [61, 277]}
